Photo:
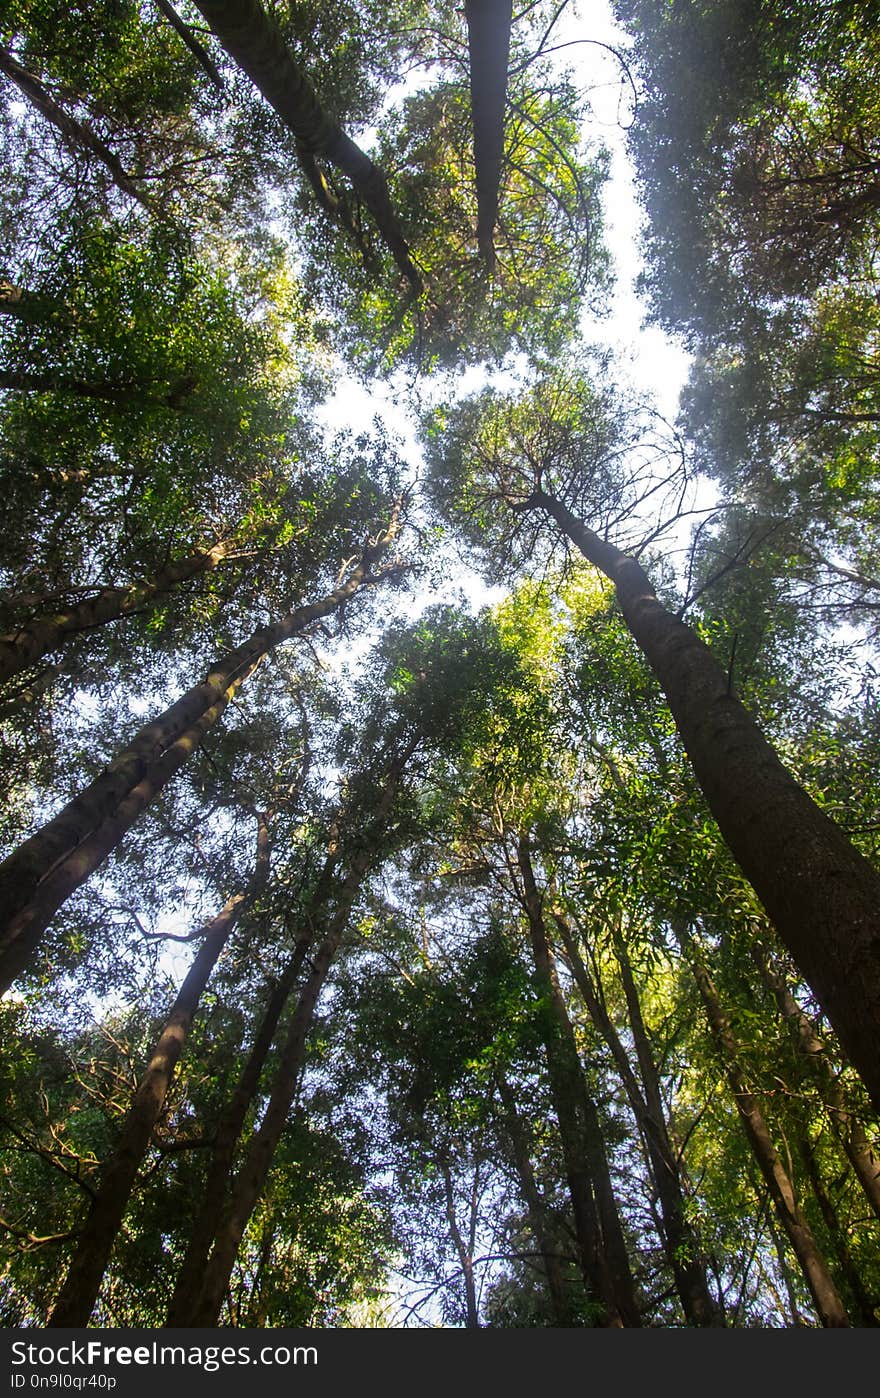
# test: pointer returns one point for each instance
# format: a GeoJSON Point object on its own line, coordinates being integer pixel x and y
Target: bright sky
{"type": "Point", "coordinates": [655, 363]}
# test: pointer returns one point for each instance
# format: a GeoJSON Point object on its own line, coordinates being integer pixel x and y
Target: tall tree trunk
{"type": "Point", "coordinates": [847, 1269]}
{"type": "Point", "coordinates": [251, 1178]}
{"type": "Point", "coordinates": [213, 1191]}
{"type": "Point", "coordinates": [821, 894]}
{"type": "Point", "coordinates": [678, 1238]}
{"type": "Point", "coordinates": [253, 39]}
{"type": "Point", "coordinates": [34, 638]}
{"type": "Point", "coordinates": [849, 1130]}
{"type": "Point", "coordinates": [830, 1308]}
{"type": "Point", "coordinates": [557, 1291]}
{"type": "Point", "coordinates": [488, 23]}
{"type": "Point", "coordinates": [464, 1250]}
{"type": "Point", "coordinates": [24, 930]}
{"type": "Point", "coordinates": [37, 877]}
{"type": "Point", "coordinates": [604, 1257]}
{"type": "Point", "coordinates": [80, 1289]}
{"type": "Point", "coordinates": [76, 135]}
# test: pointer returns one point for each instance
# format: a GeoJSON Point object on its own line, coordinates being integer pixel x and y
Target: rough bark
{"type": "Point", "coordinates": [37, 877]}
{"type": "Point", "coordinates": [821, 894]}
{"type": "Point", "coordinates": [679, 1240]}
{"type": "Point", "coordinates": [254, 41]}
{"type": "Point", "coordinates": [229, 1130]}
{"type": "Point", "coordinates": [829, 1306]}
{"type": "Point", "coordinates": [33, 307]}
{"type": "Point", "coordinates": [604, 1259]}
{"type": "Point", "coordinates": [81, 1287]}
{"type": "Point", "coordinates": [488, 23]}
{"type": "Point", "coordinates": [76, 135]}
{"type": "Point", "coordinates": [41, 634]}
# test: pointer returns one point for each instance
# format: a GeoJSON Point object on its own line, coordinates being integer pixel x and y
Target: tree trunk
{"type": "Point", "coordinates": [75, 134]}
{"type": "Point", "coordinates": [253, 39]}
{"type": "Point", "coordinates": [821, 894]}
{"type": "Point", "coordinates": [251, 1178]}
{"type": "Point", "coordinates": [677, 1236]}
{"type": "Point", "coordinates": [604, 1258]}
{"type": "Point", "coordinates": [464, 1252]}
{"type": "Point", "coordinates": [33, 639]}
{"type": "Point", "coordinates": [847, 1127]}
{"type": "Point", "coordinates": [37, 877]}
{"type": "Point", "coordinates": [488, 23]}
{"type": "Point", "coordinates": [33, 307]}
{"type": "Point", "coordinates": [557, 1291]}
{"type": "Point", "coordinates": [78, 1294]}
{"type": "Point", "coordinates": [197, 49]}
{"type": "Point", "coordinates": [830, 1308]}
{"type": "Point", "coordinates": [836, 1233]}
{"type": "Point", "coordinates": [229, 1129]}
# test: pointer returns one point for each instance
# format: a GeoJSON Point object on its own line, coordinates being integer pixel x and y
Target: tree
{"type": "Point", "coordinates": [812, 880]}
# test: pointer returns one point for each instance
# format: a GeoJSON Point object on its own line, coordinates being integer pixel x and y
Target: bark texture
{"type": "Point", "coordinates": [37, 877]}
{"type": "Point", "coordinates": [248, 1183]}
{"type": "Point", "coordinates": [821, 894]}
{"type": "Point", "coordinates": [79, 1292]}
{"type": "Point", "coordinates": [120, 394]}
{"type": "Point", "coordinates": [643, 1094]}
{"type": "Point", "coordinates": [42, 634]}
{"type": "Point", "coordinates": [229, 1129]}
{"type": "Point", "coordinates": [847, 1126]}
{"type": "Point", "coordinates": [196, 48]}
{"type": "Point", "coordinates": [254, 41]}
{"type": "Point", "coordinates": [557, 1291]}
{"type": "Point", "coordinates": [75, 134]}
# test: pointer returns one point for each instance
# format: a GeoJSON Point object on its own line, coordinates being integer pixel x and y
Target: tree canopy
{"type": "Point", "coordinates": [370, 956]}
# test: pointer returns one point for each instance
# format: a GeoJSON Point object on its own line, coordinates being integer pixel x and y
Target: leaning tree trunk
{"type": "Point", "coordinates": [677, 1236]}
{"type": "Point", "coordinates": [822, 895]}
{"type": "Point", "coordinates": [251, 1178]}
{"type": "Point", "coordinates": [488, 23]}
{"type": "Point", "coordinates": [75, 134]}
{"type": "Point", "coordinates": [604, 1257]}
{"type": "Point", "coordinates": [213, 1190]}
{"type": "Point", "coordinates": [80, 1289]}
{"type": "Point", "coordinates": [197, 49]}
{"type": "Point", "coordinates": [253, 39]}
{"type": "Point", "coordinates": [829, 1307]}
{"type": "Point", "coordinates": [37, 877]}
{"type": "Point", "coordinates": [848, 1129]}
{"type": "Point", "coordinates": [836, 1233]}
{"type": "Point", "coordinates": [35, 638]}
{"type": "Point", "coordinates": [557, 1292]}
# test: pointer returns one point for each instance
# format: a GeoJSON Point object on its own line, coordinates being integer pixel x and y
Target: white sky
{"type": "Point", "coordinates": [656, 364]}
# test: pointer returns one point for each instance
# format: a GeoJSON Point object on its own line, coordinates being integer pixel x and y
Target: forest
{"type": "Point", "coordinates": [439, 847]}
